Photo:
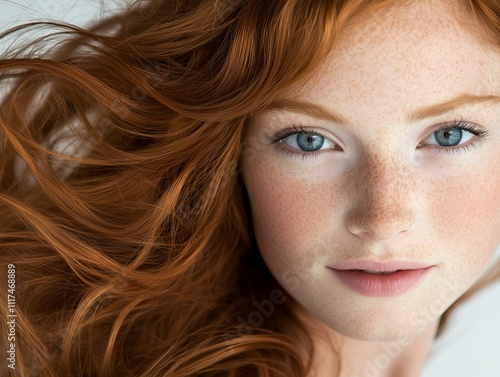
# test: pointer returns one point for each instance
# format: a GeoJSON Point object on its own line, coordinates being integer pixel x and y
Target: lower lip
{"type": "Point", "coordinates": [388, 285]}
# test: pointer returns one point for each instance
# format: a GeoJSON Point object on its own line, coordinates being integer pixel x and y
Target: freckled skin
{"type": "Point", "coordinates": [381, 197]}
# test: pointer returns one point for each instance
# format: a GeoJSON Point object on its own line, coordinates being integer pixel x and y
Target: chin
{"type": "Point", "coordinates": [381, 329]}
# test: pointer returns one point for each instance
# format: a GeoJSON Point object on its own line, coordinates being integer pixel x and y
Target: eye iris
{"type": "Point", "coordinates": [449, 137]}
{"type": "Point", "coordinates": [310, 142]}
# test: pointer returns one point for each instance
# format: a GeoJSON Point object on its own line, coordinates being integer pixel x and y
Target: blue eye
{"type": "Point", "coordinates": [307, 141]}
{"type": "Point", "coordinates": [451, 136]}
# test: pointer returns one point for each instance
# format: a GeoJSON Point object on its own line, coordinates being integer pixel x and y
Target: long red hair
{"type": "Point", "coordinates": [122, 211]}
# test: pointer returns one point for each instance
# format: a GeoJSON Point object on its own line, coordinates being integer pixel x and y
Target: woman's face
{"type": "Point", "coordinates": [382, 183]}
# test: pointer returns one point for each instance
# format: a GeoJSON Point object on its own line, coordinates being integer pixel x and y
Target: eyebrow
{"type": "Point", "coordinates": [461, 100]}
{"type": "Point", "coordinates": [320, 112]}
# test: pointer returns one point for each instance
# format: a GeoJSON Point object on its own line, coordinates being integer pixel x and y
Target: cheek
{"type": "Point", "coordinates": [292, 217]}
{"type": "Point", "coordinates": [465, 216]}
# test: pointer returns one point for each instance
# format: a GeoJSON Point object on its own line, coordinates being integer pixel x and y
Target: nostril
{"type": "Point", "coordinates": [378, 223]}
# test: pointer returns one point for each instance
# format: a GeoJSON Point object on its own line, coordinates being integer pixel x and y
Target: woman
{"type": "Point", "coordinates": [249, 188]}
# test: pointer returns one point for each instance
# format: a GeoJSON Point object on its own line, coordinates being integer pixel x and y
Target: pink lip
{"type": "Point", "coordinates": [372, 285]}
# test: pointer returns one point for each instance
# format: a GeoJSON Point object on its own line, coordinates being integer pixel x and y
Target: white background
{"type": "Point", "coordinates": [470, 347]}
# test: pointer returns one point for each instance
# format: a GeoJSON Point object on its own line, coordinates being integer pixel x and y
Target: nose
{"type": "Point", "coordinates": [381, 209]}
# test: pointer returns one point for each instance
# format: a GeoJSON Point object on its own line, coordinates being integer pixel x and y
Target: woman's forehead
{"type": "Point", "coordinates": [404, 59]}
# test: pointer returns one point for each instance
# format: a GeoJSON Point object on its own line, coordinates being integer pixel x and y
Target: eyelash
{"type": "Point", "coordinates": [480, 134]}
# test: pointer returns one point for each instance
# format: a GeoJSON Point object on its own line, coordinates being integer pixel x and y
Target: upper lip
{"type": "Point", "coordinates": [382, 265]}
